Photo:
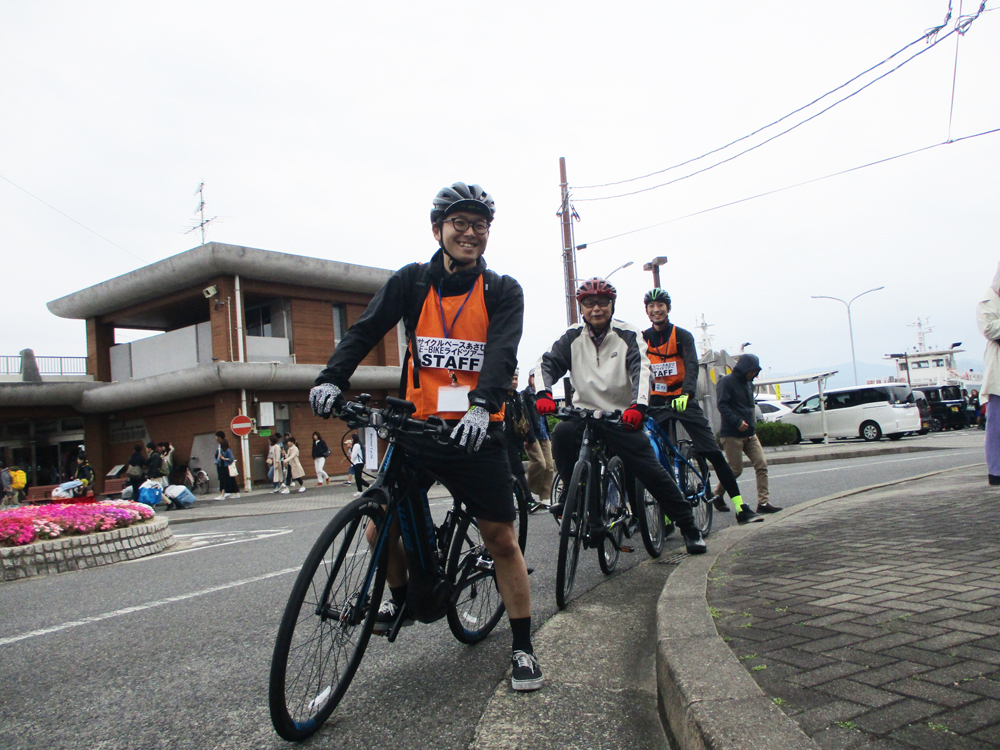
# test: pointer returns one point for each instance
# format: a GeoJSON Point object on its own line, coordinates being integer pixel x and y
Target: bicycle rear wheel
{"type": "Point", "coordinates": [616, 513]}
{"type": "Point", "coordinates": [651, 524]}
{"type": "Point", "coordinates": [697, 491]}
{"type": "Point", "coordinates": [476, 607]}
{"type": "Point", "coordinates": [572, 531]}
{"type": "Point", "coordinates": [327, 622]}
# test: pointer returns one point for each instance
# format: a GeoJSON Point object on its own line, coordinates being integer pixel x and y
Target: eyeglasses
{"type": "Point", "coordinates": [461, 225]}
{"type": "Point", "coordinates": [590, 302]}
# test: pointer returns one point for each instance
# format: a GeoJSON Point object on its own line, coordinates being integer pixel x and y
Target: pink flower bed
{"type": "Point", "coordinates": [29, 524]}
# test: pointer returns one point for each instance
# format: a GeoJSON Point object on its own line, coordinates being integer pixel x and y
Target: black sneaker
{"type": "Point", "coordinates": [387, 615]}
{"type": "Point", "coordinates": [747, 516]}
{"type": "Point", "coordinates": [526, 674]}
{"type": "Point", "coordinates": [694, 541]}
{"type": "Point", "coordinates": [556, 509]}
{"type": "Point", "coordinates": [720, 504]}
{"type": "Point", "coordinates": [768, 508]}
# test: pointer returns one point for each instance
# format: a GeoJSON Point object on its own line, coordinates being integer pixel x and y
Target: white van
{"type": "Point", "coordinates": [866, 411]}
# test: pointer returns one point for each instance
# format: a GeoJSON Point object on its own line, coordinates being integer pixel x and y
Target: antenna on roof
{"type": "Point", "coordinates": [200, 192]}
{"type": "Point", "coordinates": [706, 339]}
{"type": "Point", "coordinates": [922, 330]}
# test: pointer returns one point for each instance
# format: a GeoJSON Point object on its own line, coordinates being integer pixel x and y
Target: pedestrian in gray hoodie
{"type": "Point", "coordinates": [737, 434]}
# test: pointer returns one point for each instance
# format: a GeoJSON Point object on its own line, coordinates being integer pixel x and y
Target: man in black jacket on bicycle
{"type": "Point", "coordinates": [674, 365]}
{"type": "Point", "coordinates": [609, 370]}
{"type": "Point", "coordinates": [463, 324]}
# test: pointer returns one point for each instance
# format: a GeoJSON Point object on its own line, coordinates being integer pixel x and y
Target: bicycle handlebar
{"type": "Point", "coordinates": [593, 415]}
{"type": "Point", "coordinates": [394, 418]}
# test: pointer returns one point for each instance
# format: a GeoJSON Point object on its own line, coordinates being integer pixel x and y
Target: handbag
{"type": "Point", "coordinates": [234, 470]}
{"type": "Point", "coordinates": [133, 471]}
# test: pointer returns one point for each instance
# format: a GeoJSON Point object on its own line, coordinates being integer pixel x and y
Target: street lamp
{"type": "Point", "coordinates": [654, 266]}
{"type": "Point", "coordinates": [850, 327]}
{"type": "Point", "coordinates": [623, 265]}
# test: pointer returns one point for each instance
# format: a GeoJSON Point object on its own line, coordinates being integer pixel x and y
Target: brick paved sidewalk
{"type": "Point", "coordinates": [873, 620]}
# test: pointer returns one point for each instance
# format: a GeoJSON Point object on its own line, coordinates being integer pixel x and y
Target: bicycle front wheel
{"type": "Point", "coordinates": [652, 527]}
{"type": "Point", "coordinates": [697, 491]}
{"type": "Point", "coordinates": [571, 531]}
{"type": "Point", "coordinates": [327, 622]}
{"type": "Point", "coordinates": [615, 516]}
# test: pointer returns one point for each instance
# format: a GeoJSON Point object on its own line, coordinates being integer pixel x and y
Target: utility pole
{"type": "Point", "coordinates": [566, 214]}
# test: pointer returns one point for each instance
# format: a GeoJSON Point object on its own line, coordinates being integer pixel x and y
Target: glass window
{"type": "Point", "coordinates": [951, 393]}
{"type": "Point", "coordinates": [767, 408]}
{"type": "Point", "coordinates": [339, 323]}
{"type": "Point", "coordinates": [259, 320]}
{"type": "Point", "coordinates": [809, 405]}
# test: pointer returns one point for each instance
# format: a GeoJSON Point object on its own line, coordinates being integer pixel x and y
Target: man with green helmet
{"type": "Point", "coordinates": [674, 364]}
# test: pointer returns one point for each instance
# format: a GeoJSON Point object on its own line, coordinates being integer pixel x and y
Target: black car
{"type": "Point", "coordinates": [947, 406]}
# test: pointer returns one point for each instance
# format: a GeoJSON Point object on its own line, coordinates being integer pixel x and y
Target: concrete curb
{"type": "Point", "coordinates": [79, 552]}
{"type": "Point", "coordinates": [711, 702]}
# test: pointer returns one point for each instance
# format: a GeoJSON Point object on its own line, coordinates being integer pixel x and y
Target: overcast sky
{"type": "Point", "coordinates": [326, 128]}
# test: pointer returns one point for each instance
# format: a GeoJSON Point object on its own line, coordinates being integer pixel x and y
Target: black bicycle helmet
{"type": "Point", "coordinates": [596, 287]}
{"type": "Point", "coordinates": [656, 295]}
{"type": "Point", "coordinates": [462, 197]}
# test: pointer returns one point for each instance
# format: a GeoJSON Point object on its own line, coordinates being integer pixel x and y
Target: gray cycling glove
{"type": "Point", "coordinates": [323, 399]}
{"type": "Point", "coordinates": [470, 432]}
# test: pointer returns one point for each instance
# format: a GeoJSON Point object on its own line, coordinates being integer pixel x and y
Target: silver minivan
{"type": "Point", "coordinates": [865, 411]}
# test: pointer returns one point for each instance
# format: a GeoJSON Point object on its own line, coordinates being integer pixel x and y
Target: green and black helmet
{"type": "Point", "coordinates": [656, 295]}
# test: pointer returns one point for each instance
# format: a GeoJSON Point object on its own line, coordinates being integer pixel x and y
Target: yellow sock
{"type": "Point", "coordinates": [738, 503]}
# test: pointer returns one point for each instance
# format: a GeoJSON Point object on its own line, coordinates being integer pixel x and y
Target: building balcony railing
{"type": "Point", "coordinates": [11, 365]}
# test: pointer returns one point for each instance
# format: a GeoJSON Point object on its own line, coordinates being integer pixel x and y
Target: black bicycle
{"type": "Point", "coordinates": [330, 615]}
{"type": "Point", "coordinates": [595, 511]}
{"type": "Point", "coordinates": [690, 472]}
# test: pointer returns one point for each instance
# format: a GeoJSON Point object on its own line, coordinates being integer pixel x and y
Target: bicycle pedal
{"type": "Point", "coordinates": [623, 548]}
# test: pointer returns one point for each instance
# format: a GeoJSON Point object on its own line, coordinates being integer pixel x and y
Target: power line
{"type": "Point", "coordinates": [773, 137]}
{"type": "Point", "coordinates": [796, 185]}
{"type": "Point", "coordinates": [61, 213]}
{"type": "Point", "coordinates": [769, 125]}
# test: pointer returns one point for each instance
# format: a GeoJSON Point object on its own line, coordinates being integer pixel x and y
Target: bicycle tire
{"type": "Point", "coordinates": [522, 509]}
{"type": "Point", "coordinates": [616, 510]}
{"type": "Point", "coordinates": [327, 623]}
{"type": "Point", "coordinates": [555, 496]}
{"type": "Point", "coordinates": [571, 532]}
{"type": "Point", "coordinates": [697, 491]}
{"type": "Point", "coordinates": [476, 606]}
{"type": "Point", "coordinates": [652, 526]}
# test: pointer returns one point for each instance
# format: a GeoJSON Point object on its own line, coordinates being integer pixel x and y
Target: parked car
{"type": "Point", "coordinates": [867, 411]}
{"type": "Point", "coordinates": [771, 410]}
{"type": "Point", "coordinates": [947, 406]}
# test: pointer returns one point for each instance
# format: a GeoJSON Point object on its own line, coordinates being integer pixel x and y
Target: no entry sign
{"type": "Point", "coordinates": [241, 425]}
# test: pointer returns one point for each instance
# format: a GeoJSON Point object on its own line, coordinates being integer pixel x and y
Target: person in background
{"type": "Point", "coordinates": [541, 468]}
{"type": "Point", "coordinates": [517, 430]}
{"type": "Point", "coordinates": [224, 458]}
{"type": "Point", "coordinates": [136, 471]}
{"type": "Point", "coordinates": [167, 451]}
{"type": "Point", "coordinates": [276, 469]}
{"type": "Point", "coordinates": [358, 463]}
{"type": "Point", "coordinates": [737, 434]}
{"type": "Point", "coordinates": [154, 465]}
{"type": "Point", "coordinates": [84, 473]}
{"type": "Point", "coordinates": [6, 481]}
{"type": "Point", "coordinates": [319, 453]}
{"type": "Point", "coordinates": [295, 470]}
{"type": "Point", "coordinates": [972, 411]}
{"type": "Point", "coordinates": [988, 319]}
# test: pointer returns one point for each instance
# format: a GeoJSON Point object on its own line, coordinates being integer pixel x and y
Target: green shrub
{"type": "Point", "coordinates": [775, 433]}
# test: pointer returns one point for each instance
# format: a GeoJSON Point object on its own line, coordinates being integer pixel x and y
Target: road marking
{"type": "Point", "coordinates": [215, 539]}
{"type": "Point", "coordinates": [142, 607]}
{"type": "Point", "coordinates": [874, 463]}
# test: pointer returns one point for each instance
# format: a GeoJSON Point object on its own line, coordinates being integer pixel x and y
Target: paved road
{"type": "Point", "coordinates": [172, 651]}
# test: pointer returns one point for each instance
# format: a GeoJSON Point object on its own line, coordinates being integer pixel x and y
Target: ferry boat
{"type": "Point", "coordinates": [930, 367]}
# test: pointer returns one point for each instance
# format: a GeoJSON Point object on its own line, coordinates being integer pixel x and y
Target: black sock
{"type": "Point", "coordinates": [520, 627]}
{"type": "Point", "coordinates": [398, 594]}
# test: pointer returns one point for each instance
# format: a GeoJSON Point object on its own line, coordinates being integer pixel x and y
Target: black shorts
{"type": "Point", "coordinates": [481, 480]}
{"type": "Point", "coordinates": [695, 424]}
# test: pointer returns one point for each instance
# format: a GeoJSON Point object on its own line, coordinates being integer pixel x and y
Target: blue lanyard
{"type": "Point", "coordinates": [444, 326]}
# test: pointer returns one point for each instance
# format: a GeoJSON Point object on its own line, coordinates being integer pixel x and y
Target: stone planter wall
{"type": "Point", "coordinates": [77, 552]}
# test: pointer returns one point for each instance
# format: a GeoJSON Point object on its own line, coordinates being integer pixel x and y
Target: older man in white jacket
{"type": "Point", "coordinates": [988, 318]}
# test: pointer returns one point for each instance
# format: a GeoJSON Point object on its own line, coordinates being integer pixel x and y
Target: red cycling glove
{"type": "Point", "coordinates": [634, 416]}
{"type": "Point", "coordinates": [544, 403]}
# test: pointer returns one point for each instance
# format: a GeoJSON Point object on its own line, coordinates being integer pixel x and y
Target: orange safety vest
{"type": "Point", "coordinates": [666, 366]}
{"type": "Point", "coordinates": [450, 341]}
